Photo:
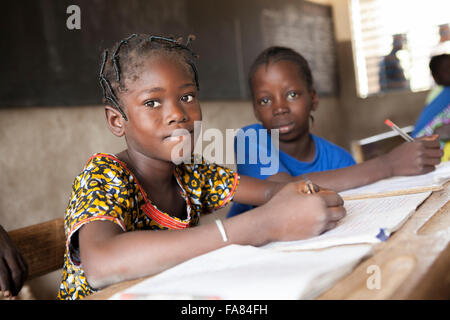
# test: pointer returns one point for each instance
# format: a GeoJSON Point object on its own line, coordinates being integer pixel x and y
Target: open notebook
{"type": "Point", "coordinates": [402, 185]}
{"type": "Point", "coordinates": [375, 216]}
{"type": "Point", "coordinates": [246, 272]}
{"type": "Point", "coordinates": [367, 221]}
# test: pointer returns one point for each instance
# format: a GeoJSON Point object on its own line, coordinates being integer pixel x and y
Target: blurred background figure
{"type": "Point", "coordinates": [435, 117]}
{"type": "Point", "coordinates": [442, 47]}
{"type": "Point", "coordinates": [444, 42]}
{"type": "Point", "coordinates": [394, 67]}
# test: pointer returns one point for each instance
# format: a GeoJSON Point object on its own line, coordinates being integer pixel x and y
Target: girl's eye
{"type": "Point", "coordinates": [292, 95]}
{"type": "Point", "coordinates": [187, 98]}
{"type": "Point", "coordinates": [264, 101]}
{"type": "Point", "coordinates": [152, 103]}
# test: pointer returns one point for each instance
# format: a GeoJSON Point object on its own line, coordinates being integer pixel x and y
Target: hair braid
{"type": "Point", "coordinates": [124, 62]}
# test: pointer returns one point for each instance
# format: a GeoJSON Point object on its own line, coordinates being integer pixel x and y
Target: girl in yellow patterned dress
{"type": "Point", "coordinates": [121, 203]}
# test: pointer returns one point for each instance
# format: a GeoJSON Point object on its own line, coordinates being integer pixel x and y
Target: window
{"type": "Point", "coordinates": [393, 41]}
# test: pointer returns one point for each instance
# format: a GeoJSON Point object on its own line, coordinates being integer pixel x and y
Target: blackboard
{"type": "Point", "coordinates": [45, 63]}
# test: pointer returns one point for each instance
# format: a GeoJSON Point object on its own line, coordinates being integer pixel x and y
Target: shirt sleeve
{"type": "Point", "coordinates": [218, 187]}
{"type": "Point", "coordinates": [346, 160]}
{"type": "Point", "coordinates": [93, 198]}
{"type": "Point", "coordinates": [337, 157]}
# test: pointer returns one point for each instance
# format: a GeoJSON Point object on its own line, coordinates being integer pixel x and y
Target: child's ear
{"type": "Point", "coordinates": [115, 121]}
{"type": "Point", "coordinates": [315, 100]}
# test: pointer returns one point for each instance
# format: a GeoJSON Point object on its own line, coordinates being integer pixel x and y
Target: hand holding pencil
{"type": "Point", "coordinates": [306, 186]}
{"type": "Point", "coordinates": [417, 156]}
{"type": "Point", "coordinates": [333, 200]}
{"type": "Point", "coordinates": [402, 133]}
{"type": "Point", "coordinates": [295, 214]}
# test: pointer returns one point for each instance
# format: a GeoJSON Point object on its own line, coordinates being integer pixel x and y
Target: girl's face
{"type": "Point", "coordinates": [282, 100]}
{"type": "Point", "coordinates": [163, 99]}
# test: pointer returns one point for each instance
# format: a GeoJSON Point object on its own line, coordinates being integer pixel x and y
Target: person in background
{"type": "Point", "coordinates": [284, 98]}
{"type": "Point", "coordinates": [443, 47]}
{"type": "Point", "coordinates": [435, 117]}
{"type": "Point", "coordinates": [393, 66]}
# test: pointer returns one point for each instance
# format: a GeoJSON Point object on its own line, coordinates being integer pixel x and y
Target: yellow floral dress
{"type": "Point", "coordinates": [107, 190]}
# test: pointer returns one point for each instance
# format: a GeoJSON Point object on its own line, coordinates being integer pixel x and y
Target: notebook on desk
{"type": "Point", "coordinates": [432, 181]}
{"type": "Point", "coordinates": [378, 210]}
{"type": "Point", "coordinates": [367, 221]}
{"type": "Point", "coordinates": [246, 272]}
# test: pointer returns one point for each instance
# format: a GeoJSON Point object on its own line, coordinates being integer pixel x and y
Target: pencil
{"type": "Point", "coordinates": [309, 184]}
{"type": "Point", "coordinates": [402, 133]}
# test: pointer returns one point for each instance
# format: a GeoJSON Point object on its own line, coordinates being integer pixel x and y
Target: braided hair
{"type": "Point", "coordinates": [128, 56]}
{"type": "Point", "coordinates": [275, 54]}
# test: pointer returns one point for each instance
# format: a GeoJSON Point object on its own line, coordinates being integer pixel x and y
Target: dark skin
{"type": "Point", "coordinates": [282, 100]}
{"type": "Point", "coordinates": [13, 267]}
{"type": "Point", "coordinates": [164, 98]}
{"type": "Point", "coordinates": [442, 75]}
{"type": "Point", "coordinates": [443, 132]}
{"type": "Point", "coordinates": [442, 78]}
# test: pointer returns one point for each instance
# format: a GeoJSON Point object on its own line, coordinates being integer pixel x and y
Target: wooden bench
{"type": "Point", "coordinates": [42, 245]}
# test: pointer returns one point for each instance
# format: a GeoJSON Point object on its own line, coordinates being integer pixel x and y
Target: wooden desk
{"type": "Point", "coordinates": [414, 262]}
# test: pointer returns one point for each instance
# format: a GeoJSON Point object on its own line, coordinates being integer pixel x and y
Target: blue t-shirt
{"type": "Point", "coordinates": [255, 158]}
{"type": "Point", "coordinates": [436, 106]}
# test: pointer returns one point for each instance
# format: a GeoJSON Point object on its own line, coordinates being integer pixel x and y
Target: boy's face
{"type": "Point", "coordinates": [282, 100]}
{"type": "Point", "coordinates": [163, 99]}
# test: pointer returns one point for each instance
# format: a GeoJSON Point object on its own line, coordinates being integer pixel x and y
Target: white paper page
{"type": "Point", "coordinates": [246, 272]}
{"type": "Point", "coordinates": [435, 178]}
{"type": "Point", "coordinates": [365, 220]}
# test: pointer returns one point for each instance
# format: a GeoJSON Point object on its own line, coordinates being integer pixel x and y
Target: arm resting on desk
{"type": "Point", "coordinates": [410, 158]}
{"type": "Point", "coordinates": [109, 255]}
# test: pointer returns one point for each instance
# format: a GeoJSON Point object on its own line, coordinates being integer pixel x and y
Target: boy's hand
{"type": "Point", "coordinates": [417, 157]}
{"type": "Point", "coordinates": [293, 215]}
{"type": "Point", "coordinates": [13, 267]}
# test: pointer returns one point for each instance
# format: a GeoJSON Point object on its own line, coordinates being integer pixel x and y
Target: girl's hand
{"type": "Point", "coordinates": [13, 267]}
{"type": "Point", "coordinates": [303, 187]}
{"type": "Point", "coordinates": [292, 215]}
{"type": "Point", "coordinates": [413, 158]}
